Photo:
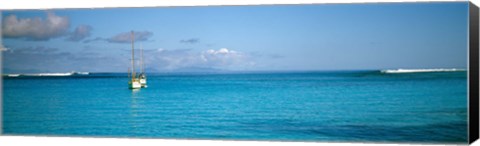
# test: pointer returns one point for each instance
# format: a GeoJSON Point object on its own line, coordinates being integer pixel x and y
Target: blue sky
{"type": "Point", "coordinates": [239, 38]}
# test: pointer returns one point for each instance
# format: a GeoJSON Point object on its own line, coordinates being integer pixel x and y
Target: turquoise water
{"type": "Point", "coordinates": [352, 106]}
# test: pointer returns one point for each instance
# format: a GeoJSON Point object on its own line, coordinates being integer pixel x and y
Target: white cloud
{"type": "Point", "coordinates": [223, 57]}
{"type": "Point", "coordinates": [220, 51]}
{"type": "Point", "coordinates": [226, 59]}
{"type": "Point", "coordinates": [35, 28]}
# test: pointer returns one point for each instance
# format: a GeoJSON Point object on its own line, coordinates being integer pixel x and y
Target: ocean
{"type": "Point", "coordinates": [323, 106]}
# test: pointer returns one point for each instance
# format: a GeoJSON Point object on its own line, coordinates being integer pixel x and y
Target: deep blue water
{"type": "Point", "coordinates": [352, 106]}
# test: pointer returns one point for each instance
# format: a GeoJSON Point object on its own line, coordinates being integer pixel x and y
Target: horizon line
{"type": "Point", "coordinates": [252, 71]}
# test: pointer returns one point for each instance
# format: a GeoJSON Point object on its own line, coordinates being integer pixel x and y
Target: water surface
{"type": "Point", "coordinates": [353, 106]}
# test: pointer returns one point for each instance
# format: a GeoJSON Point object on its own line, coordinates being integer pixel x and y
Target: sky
{"type": "Point", "coordinates": [238, 38]}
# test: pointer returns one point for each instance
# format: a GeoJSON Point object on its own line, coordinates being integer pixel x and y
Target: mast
{"type": "Point", "coordinates": [129, 72]}
{"type": "Point", "coordinates": [143, 70]}
{"type": "Point", "coordinates": [133, 58]}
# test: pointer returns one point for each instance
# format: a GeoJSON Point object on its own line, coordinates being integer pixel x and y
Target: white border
{"type": "Point", "coordinates": [49, 4]}
{"type": "Point", "coordinates": [80, 141]}
{"type": "Point", "coordinates": [61, 4]}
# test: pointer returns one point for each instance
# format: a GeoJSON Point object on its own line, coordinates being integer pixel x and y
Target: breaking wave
{"type": "Point", "coordinates": [48, 74]}
{"type": "Point", "coordinates": [421, 70]}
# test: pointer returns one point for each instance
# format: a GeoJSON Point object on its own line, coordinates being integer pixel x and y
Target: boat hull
{"type": "Point", "coordinates": [143, 82]}
{"type": "Point", "coordinates": [134, 85]}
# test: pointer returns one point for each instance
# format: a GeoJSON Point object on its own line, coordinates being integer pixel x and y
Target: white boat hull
{"type": "Point", "coordinates": [134, 85]}
{"type": "Point", "coordinates": [143, 82]}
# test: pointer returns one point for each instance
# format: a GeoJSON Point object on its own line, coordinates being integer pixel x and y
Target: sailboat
{"type": "Point", "coordinates": [142, 77]}
{"type": "Point", "coordinates": [134, 83]}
